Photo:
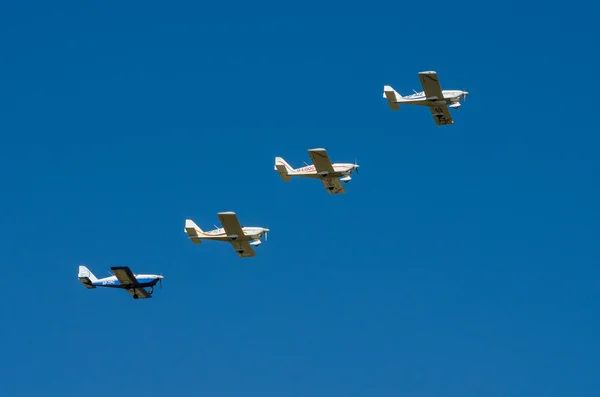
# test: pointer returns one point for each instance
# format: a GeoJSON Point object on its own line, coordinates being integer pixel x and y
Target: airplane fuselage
{"type": "Point", "coordinates": [341, 169]}
{"type": "Point", "coordinates": [145, 280]}
{"type": "Point", "coordinates": [250, 233]}
{"type": "Point", "coordinates": [419, 98]}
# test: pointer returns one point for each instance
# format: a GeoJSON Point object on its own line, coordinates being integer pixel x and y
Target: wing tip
{"type": "Point", "coordinates": [226, 213]}
{"type": "Point", "coordinates": [319, 149]}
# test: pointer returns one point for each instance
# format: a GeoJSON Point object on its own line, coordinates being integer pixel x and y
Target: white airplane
{"type": "Point", "coordinates": [123, 278]}
{"type": "Point", "coordinates": [242, 238]}
{"type": "Point", "coordinates": [322, 168]}
{"type": "Point", "coordinates": [431, 96]}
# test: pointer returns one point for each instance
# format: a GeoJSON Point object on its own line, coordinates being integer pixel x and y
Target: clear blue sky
{"type": "Point", "coordinates": [463, 261]}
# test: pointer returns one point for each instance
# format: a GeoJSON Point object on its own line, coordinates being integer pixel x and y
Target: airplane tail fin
{"type": "Point", "coordinates": [193, 231]}
{"type": "Point", "coordinates": [86, 277]}
{"type": "Point", "coordinates": [392, 96]}
{"type": "Point", "coordinates": [284, 169]}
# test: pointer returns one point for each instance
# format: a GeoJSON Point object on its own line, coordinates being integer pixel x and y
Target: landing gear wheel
{"type": "Point", "coordinates": [135, 296]}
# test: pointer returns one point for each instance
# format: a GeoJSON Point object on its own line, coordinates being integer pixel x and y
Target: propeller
{"type": "Point", "coordinates": [465, 93]}
{"type": "Point", "coordinates": [356, 166]}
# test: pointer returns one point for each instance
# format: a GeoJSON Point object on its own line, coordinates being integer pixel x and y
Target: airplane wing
{"type": "Point", "coordinates": [125, 276]}
{"type": "Point", "coordinates": [333, 185]}
{"type": "Point", "coordinates": [231, 224]}
{"type": "Point", "coordinates": [321, 161]}
{"type": "Point", "coordinates": [441, 114]}
{"type": "Point", "coordinates": [140, 292]}
{"type": "Point", "coordinates": [431, 85]}
{"type": "Point", "coordinates": [243, 249]}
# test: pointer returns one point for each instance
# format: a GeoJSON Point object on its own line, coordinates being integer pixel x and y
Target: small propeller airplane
{"type": "Point", "coordinates": [122, 278]}
{"type": "Point", "coordinates": [322, 168]}
{"type": "Point", "coordinates": [431, 96]}
{"type": "Point", "coordinates": [242, 238]}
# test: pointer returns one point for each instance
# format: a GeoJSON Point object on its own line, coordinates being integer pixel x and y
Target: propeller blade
{"type": "Point", "coordinates": [160, 283]}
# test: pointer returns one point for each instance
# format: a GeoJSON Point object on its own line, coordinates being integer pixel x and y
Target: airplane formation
{"type": "Point", "coordinates": [243, 239]}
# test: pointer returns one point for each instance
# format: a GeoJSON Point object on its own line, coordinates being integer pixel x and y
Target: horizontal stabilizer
{"type": "Point", "coordinates": [87, 282]}
{"type": "Point", "coordinates": [283, 173]}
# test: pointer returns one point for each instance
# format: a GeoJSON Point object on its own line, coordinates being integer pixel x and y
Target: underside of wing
{"type": "Point", "coordinates": [321, 161]}
{"type": "Point", "coordinates": [441, 114]}
{"type": "Point", "coordinates": [431, 85]}
{"type": "Point", "coordinates": [140, 292]}
{"type": "Point", "coordinates": [231, 224]}
{"type": "Point", "coordinates": [124, 275]}
{"type": "Point", "coordinates": [333, 185]}
{"type": "Point", "coordinates": [243, 249]}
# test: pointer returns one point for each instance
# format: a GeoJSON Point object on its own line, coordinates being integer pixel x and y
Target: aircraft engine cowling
{"type": "Point", "coordinates": [255, 243]}
{"type": "Point", "coordinates": [346, 179]}
{"type": "Point", "coordinates": [455, 105]}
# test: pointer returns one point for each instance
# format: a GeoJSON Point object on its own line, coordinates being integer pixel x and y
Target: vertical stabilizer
{"type": "Point", "coordinates": [284, 169]}
{"type": "Point", "coordinates": [392, 97]}
{"type": "Point", "coordinates": [193, 231]}
{"type": "Point", "coordinates": [86, 277]}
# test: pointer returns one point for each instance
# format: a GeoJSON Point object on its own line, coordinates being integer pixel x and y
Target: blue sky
{"type": "Point", "coordinates": [463, 261]}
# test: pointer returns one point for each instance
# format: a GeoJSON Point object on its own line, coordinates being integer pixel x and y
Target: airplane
{"type": "Point", "coordinates": [322, 168]}
{"type": "Point", "coordinates": [242, 238]}
{"type": "Point", "coordinates": [123, 278]}
{"type": "Point", "coordinates": [431, 96]}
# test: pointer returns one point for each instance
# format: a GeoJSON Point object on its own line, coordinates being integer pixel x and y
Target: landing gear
{"type": "Point", "coordinates": [135, 296]}
{"type": "Point", "coordinates": [151, 290]}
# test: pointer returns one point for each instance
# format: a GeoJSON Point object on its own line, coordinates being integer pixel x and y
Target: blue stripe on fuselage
{"type": "Point", "coordinates": [143, 282]}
